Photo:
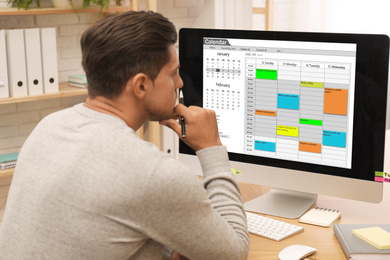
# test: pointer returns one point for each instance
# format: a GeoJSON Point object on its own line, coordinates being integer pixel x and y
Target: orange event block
{"type": "Point", "coordinates": [309, 147]}
{"type": "Point", "coordinates": [336, 101]}
{"type": "Point", "coordinates": [265, 112]}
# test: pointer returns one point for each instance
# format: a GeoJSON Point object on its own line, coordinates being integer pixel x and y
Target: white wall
{"type": "Point", "coordinates": [182, 13]}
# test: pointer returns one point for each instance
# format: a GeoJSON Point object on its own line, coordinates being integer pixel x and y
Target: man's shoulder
{"type": "Point", "coordinates": [59, 114]}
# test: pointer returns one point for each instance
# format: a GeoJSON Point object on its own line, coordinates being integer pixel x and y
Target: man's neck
{"type": "Point", "coordinates": [110, 107]}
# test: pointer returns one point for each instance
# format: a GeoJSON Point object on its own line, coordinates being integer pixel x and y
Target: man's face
{"type": "Point", "coordinates": [162, 99]}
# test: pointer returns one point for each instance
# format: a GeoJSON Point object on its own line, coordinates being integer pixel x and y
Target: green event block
{"type": "Point", "coordinates": [266, 74]}
{"type": "Point", "coordinates": [312, 84]}
{"type": "Point", "coordinates": [310, 121]}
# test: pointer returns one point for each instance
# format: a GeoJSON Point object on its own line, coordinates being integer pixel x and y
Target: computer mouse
{"type": "Point", "coordinates": [296, 252]}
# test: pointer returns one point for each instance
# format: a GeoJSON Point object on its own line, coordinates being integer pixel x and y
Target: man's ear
{"type": "Point", "coordinates": [139, 84]}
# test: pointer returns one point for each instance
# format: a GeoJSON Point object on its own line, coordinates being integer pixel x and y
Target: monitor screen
{"type": "Point", "coordinates": [311, 103]}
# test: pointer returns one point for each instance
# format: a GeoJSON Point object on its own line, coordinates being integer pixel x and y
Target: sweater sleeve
{"type": "Point", "coordinates": [200, 221]}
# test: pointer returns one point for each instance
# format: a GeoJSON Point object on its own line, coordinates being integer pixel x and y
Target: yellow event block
{"type": "Point", "coordinates": [287, 130]}
{"type": "Point", "coordinates": [375, 236]}
{"type": "Point", "coordinates": [312, 84]}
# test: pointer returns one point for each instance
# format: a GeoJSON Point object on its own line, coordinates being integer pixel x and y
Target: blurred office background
{"type": "Point", "coordinates": [17, 120]}
{"type": "Point", "coordinates": [353, 16]}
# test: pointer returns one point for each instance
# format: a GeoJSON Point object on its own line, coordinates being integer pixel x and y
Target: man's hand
{"type": "Point", "coordinates": [201, 126]}
{"type": "Point", "coordinates": [177, 256]}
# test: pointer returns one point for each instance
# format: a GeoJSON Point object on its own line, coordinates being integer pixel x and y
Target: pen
{"type": "Point", "coordinates": [183, 123]}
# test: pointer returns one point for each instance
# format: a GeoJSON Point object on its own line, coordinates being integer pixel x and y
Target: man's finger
{"type": "Point", "coordinates": [172, 124]}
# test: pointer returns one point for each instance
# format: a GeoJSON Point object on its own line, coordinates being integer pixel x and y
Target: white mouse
{"type": "Point", "coordinates": [296, 252]}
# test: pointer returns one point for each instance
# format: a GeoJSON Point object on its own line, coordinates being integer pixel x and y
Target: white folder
{"type": "Point", "coordinates": [17, 79]}
{"type": "Point", "coordinates": [4, 91]}
{"type": "Point", "coordinates": [49, 60]}
{"type": "Point", "coordinates": [32, 42]}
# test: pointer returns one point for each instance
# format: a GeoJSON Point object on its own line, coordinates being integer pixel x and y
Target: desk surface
{"type": "Point", "coordinates": [321, 238]}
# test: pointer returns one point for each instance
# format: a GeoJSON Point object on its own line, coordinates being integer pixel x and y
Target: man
{"type": "Point", "coordinates": [87, 187]}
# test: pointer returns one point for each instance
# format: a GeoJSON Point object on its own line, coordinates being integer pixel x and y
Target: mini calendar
{"type": "Point", "coordinates": [223, 68]}
{"type": "Point", "coordinates": [222, 99]}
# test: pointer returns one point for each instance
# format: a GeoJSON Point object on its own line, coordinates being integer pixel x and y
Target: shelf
{"type": "Point", "coordinates": [65, 91]}
{"type": "Point", "coordinates": [39, 11]}
{"type": "Point", "coordinates": [6, 172]}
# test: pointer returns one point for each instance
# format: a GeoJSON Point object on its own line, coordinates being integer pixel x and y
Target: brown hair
{"type": "Point", "coordinates": [118, 47]}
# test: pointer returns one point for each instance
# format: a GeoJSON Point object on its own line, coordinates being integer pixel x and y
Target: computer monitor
{"type": "Point", "coordinates": [303, 113]}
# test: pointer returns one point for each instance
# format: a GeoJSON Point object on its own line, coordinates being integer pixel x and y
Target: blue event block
{"type": "Point", "coordinates": [265, 146]}
{"type": "Point", "coordinates": [288, 101]}
{"type": "Point", "coordinates": [334, 138]}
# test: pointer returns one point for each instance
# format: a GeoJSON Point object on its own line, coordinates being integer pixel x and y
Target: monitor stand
{"type": "Point", "coordinates": [282, 203]}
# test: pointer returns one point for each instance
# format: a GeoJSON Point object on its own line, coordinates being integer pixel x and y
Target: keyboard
{"type": "Point", "coordinates": [271, 228]}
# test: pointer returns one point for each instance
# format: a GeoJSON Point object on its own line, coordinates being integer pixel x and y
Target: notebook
{"type": "Point", "coordinates": [355, 247]}
{"type": "Point", "coordinates": [8, 160]}
{"type": "Point", "coordinates": [320, 217]}
{"type": "Point", "coordinates": [81, 79]}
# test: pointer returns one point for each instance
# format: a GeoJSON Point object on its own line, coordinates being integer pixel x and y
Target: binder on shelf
{"type": "Point", "coordinates": [33, 61]}
{"type": "Point", "coordinates": [49, 60]}
{"type": "Point", "coordinates": [4, 91]}
{"type": "Point", "coordinates": [16, 60]}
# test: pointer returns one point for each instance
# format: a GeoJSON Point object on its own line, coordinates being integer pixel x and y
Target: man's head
{"type": "Point", "coordinates": [118, 47]}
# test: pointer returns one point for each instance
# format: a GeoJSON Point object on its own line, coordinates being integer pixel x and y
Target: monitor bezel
{"type": "Point", "coordinates": [371, 50]}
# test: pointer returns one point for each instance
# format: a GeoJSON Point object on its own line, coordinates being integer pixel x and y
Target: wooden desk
{"type": "Point", "coordinates": [321, 238]}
